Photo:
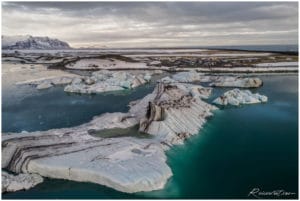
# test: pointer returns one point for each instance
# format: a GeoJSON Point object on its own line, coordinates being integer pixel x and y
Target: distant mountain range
{"type": "Point", "coordinates": [22, 42]}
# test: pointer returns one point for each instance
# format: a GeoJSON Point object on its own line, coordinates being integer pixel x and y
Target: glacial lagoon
{"type": "Point", "coordinates": [239, 148]}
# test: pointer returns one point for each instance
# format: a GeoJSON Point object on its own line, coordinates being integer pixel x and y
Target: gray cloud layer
{"type": "Point", "coordinates": [144, 24]}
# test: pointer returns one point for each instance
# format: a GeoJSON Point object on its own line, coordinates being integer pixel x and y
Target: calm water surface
{"type": "Point", "coordinates": [240, 148]}
{"type": "Point", "coordinates": [54, 108]}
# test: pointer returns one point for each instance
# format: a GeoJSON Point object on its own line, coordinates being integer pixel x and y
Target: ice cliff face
{"type": "Point", "coordinates": [32, 42]}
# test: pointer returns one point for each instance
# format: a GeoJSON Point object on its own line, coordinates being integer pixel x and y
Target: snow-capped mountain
{"type": "Point", "coordinates": [32, 42]}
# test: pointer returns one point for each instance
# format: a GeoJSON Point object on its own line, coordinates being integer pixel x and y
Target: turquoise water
{"type": "Point", "coordinates": [240, 148]}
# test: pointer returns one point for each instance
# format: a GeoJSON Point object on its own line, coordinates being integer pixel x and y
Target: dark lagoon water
{"type": "Point", "coordinates": [273, 48]}
{"type": "Point", "coordinates": [240, 148]}
{"type": "Point", "coordinates": [54, 108]}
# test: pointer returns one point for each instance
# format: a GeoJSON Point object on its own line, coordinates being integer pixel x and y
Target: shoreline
{"type": "Point", "coordinates": [160, 48]}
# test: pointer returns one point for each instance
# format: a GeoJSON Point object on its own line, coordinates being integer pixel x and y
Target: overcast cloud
{"type": "Point", "coordinates": [154, 24]}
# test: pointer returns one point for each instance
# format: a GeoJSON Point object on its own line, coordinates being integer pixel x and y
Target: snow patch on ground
{"type": "Point", "coordinates": [282, 64]}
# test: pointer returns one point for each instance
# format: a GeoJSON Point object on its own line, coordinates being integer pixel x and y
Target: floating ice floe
{"type": "Point", "coordinates": [25, 181]}
{"type": "Point", "coordinates": [104, 81]}
{"type": "Point", "coordinates": [190, 76]}
{"type": "Point", "coordinates": [48, 82]}
{"type": "Point", "coordinates": [228, 81]}
{"type": "Point", "coordinates": [238, 97]}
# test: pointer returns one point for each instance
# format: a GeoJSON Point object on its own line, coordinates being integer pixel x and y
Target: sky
{"type": "Point", "coordinates": [154, 24]}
